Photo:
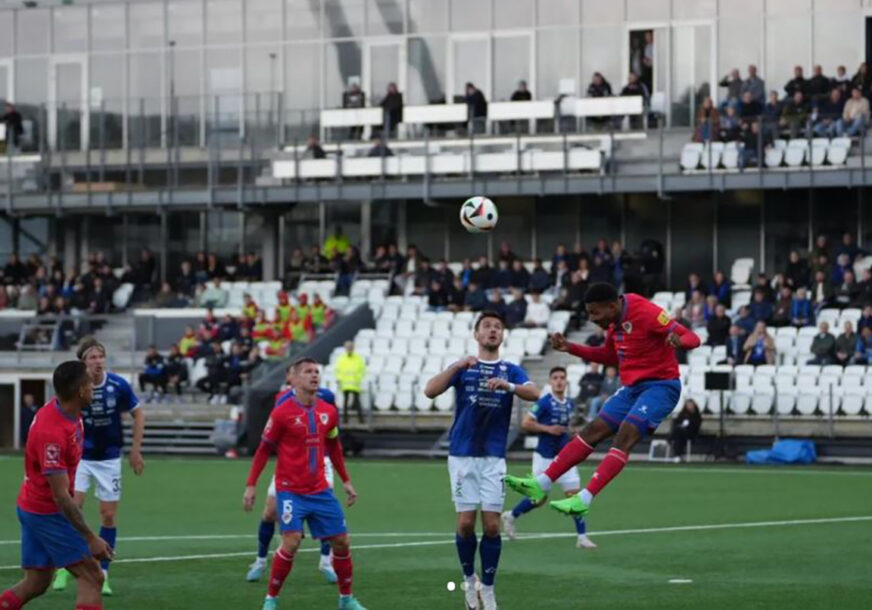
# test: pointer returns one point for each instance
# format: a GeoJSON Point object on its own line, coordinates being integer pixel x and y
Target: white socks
{"type": "Point", "coordinates": [585, 496]}
{"type": "Point", "coordinates": [544, 481]}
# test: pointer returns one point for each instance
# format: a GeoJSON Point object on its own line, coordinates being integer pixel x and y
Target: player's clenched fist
{"type": "Point", "coordinates": [673, 340]}
{"type": "Point", "coordinates": [350, 493]}
{"type": "Point", "coordinates": [559, 342]}
{"type": "Point", "coordinates": [467, 362]}
{"type": "Point", "coordinates": [495, 383]}
{"type": "Point", "coordinates": [248, 498]}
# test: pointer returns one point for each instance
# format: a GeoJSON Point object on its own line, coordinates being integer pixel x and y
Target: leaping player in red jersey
{"type": "Point", "coordinates": [641, 340]}
{"type": "Point", "coordinates": [53, 530]}
{"type": "Point", "coordinates": [302, 429]}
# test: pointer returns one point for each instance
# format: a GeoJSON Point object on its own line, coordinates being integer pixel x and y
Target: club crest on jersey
{"type": "Point", "coordinates": [110, 402]}
{"type": "Point", "coordinates": [52, 454]}
{"type": "Point", "coordinates": [298, 421]}
{"type": "Point", "coordinates": [628, 327]}
{"type": "Point", "coordinates": [323, 417]}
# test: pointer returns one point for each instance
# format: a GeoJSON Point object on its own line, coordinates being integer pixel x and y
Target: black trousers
{"type": "Point", "coordinates": [159, 381]}
{"type": "Point", "coordinates": [351, 399]}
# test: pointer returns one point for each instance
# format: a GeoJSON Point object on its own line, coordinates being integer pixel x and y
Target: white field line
{"type": "Point", "coordinates": [652, 530]}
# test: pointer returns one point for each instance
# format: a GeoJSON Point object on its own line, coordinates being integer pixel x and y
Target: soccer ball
{"type": "Point", "coordinates": [479, 215]}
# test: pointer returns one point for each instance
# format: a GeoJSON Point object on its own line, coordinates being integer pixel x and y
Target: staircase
{"type": "Point", "coordinates": [538, 368]}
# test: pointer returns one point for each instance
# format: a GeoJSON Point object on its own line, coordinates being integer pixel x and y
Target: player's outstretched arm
{"type": "Point", "coordinates": [441, 382]}
{"type": "Point", "coordinates": [526, 391]}
{"type": "Point", "coordinates": [604, 354]}
{"type": "Point", "coordinates": [59, 483]}
{"type": "Point", "coordinates": [135, 458]}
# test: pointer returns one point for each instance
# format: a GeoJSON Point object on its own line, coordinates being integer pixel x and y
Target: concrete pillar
{"type": "Point", "coordinates": [70, 231]}
{"type": "Point", "coordinates": [84, 241]}
{"type": "Point", "coordinates": [402, 236]}
{"type": "Point", "coordinates": [366, 230]}
{"type": "Point", "coordinates": [270, 246]}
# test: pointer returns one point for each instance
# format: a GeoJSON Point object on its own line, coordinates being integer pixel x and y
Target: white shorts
{"type": "Point", "coordinates": [106, 475]}
{"type": "Point", "coordinates": [328, 474]}
{"type": "Point", "coordinates": [477, 481]}
{"type": "Point", "coordinates": [570, 479]}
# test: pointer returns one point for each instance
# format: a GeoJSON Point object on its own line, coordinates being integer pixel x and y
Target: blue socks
{"type": "Point", "coordinates": [489, 549]}
{"type": "Point", "coordinates": [466, 553]}
{"type": "Point", "coordinates": [325, 549]}
{"type": "Point", "coordinates": [524, 506]}
{"type": "Point", "coordinates": [264, 536]}
{"type": "Point", "coordinates": [580, 525]}
{"type": "Point", "coordinates": [108, 534]}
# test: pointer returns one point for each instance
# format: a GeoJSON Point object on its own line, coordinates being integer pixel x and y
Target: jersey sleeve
{"type": "Point", "coordinates": [131, 401]}
{"type": "Point", "coordinates": [456, 379]}
{"type": "Point", "coordinates": [518, 375]}
{"type": "Point", "coordinates": [273, 431]}
{"type": "Point", "coordinates": [327, 396]}
{"type": "Point", "coordinates": [52, 449]}
{"type": "Point", "coordinates": [539, 410]}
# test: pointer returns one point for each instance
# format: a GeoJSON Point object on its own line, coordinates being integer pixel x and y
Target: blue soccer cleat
{"type": "Point", "coordinates": [270, 603]}
{"type": "Point", "coordinates": [349, 603]}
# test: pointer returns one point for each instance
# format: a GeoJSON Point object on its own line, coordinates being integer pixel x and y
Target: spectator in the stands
{"type": "Point", "coordinates": [214, 267]}
{"type": "Point", "coordinates": [188, 343]}
{"type": "Point", "coordinates": [796, 274]}
{"type": "Point", "coordinates": [828, 121]}
{"type": "Point", "coordinates": [823, 346]}
{"type": "Point", "coordinates": [731, 125]}
{"type": "Point", "coordinates": [572, 297]}
{"type": "Point", "coordinates": [466, 272]}
{"type": "Point", "coordinates": [694, 283]}
{"type": "Point", "coordinates": [754, 85]}
{"type": "Point", "coordinates": [735, 345]}
{"type": "Point", "coordinates": [694, 310]}
{"type": "Point", "coordinates": [443, 274]}
{"type": "Point", "coordinates": [761, 308]}
{"type": "Point", "coordinates": [818, 86]}
{"type": "Point", "coordinates": [781, 312]}
{"type": "Point", "coordinates": [862, 79]}
{"type": "Point", "coordinates": [153, 373]}
{"type": "Point", "coordinates": [516, 309]}
{"type": "Point", "coordinates": [14, 127]}
{"type": "Point", "coordinates": [215, 296]}
{"type": "Point", "coordinates": [560, 254]}
{"type": "Point", "coordinates": [863, 349]}
{"type": "Point", "coordinates": [759, 346]}
{"type": "Point", "coordinates": [538, 312]}
{"type": "Point", "coordinates": [610, 384]}
{"type": "Point", "coordinates": [506, 253]}
{"type": "Point", "coordinates": [476, 299]}
{"type": "Point", "coordinates": [392, 106]}
{"type": "Point", "coordinates": [599, 86]}
{"type": "Point", "coordinates": [634, 87]}
{"type": "Point", "coordinates": [477, 105]}
{"type": "Point", "coordinates": [849, 247]}
{"type": "Point", "coordinates": [423, 276]}
{"type": "Point", "coordinates": [801, 309]}
{"type": "Point", "coordinates": [589, 384]}
{"type": "Point", "coordinates": [437, 298]}
{"type": "Point", "coordinates": [186, 280]}
{"type": "Point", "coordinates": [733, 83]}
{"type": "Point", "coordinates": [316, 262]}
{"type": "Point", "coordinates": [855, 114]}
{"type": "Point", "coordinates": [495, 302]}
{"type": "Point", "coordinates": [503, 276]}
{"type": "Point", "coordinates": [797, 84]}
{"type": "Point", "coordinates": [353, 97]}
{"type": "Point", "coordinates": [721, 288]}
{"type": "Point", "coordinates": [165, 296]}
{"type": "Point", "coordinates": [520, 275]}
{"type": "Point", "coordinates": [864, 297]}
{"type": "Point", "coordinates": [708, 121]}
{"type": "Point", "coordinates": [843, 265]}
{"type": "Point", "coordinates": [228, 328]}
{"type": "Point", "coordinates": [771, 113]}
{"type": "Point", "coordinates": [540, 280]}
{"type": "Point", "coordinates": [847, 293]}
{"type": "Point", "coordinates": [350, 372]}
{"type": "Point", "coordinates": [750, 109]}
{"type": "Point", "coordinates": [762, 284]}
{"type": "Point", "coordinates": [794, 115]}
{"type": "Point", "coordinates": [28, 412]}
{"type": "Point", "coordinates": [484, 274]}
{"type": "Point", "coordinates": [685, 428]}
{"type": "Point", "coordinates": [522, 93]}
{"type": "Point", "coordinates": [745, 320]}
{"type": "Point", "coordinates": [865, 319]}
{"type": "Point", "coordinates": [718, 327]}
{"type": "Point", "coordinates": [314, 149]}
{"type": "Point", "coordinates": [845, 344]}
{"type": "Point", "coordinates": [211, 383]}
{"type": "Point", "coordinates": [455, 295]}
{"type": "Point", "coordinates": [380, 148]}
{"type": "Point", "coordinates": [561, 274]}
{"type": "Point", "coordinates": [842, 82]}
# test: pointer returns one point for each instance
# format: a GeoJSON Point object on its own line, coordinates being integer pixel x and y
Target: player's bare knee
{"type": "Point", "coordinates": [627, 437]}
{"type": "Point", "coordinates": [490, 524]}
{"type": "Point", "coordinates": [340, 545]}
{"type": "Point", "coordinates": [269, 515]}
{"type": "Point", "coordinates": [291, 542]}
{"type": "Point", "coordinates": [466, 524]}
{"type": "Point", "coordinates": [35, 583]}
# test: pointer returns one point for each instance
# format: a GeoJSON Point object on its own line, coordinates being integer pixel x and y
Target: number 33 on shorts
{"type": "Point", "coordinates": [287, 511]}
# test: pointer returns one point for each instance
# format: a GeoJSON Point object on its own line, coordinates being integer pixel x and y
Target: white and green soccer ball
{"type": "Point", "coordinates": [479, 215]}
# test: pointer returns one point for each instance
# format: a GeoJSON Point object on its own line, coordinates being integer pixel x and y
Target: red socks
{"type": "Point", "coordinates": [574, 452]}
{"type": "Point", "coordinates": [9, 601]}
{"type": "Point", "coordinates": [281, 567]}
{"type": "Point", "coordinates": [342, 566]}
{"type": "Point", "coordinates": [608, 469]}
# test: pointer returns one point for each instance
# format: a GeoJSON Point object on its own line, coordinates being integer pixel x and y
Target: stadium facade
{"type": "Point", "coordinates": [148, 123]}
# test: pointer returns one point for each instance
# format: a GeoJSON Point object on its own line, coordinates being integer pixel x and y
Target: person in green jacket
{"type": "Point", "coordinates": [350, 372]}
{"type": "Point", "coordinates": [337, 244]}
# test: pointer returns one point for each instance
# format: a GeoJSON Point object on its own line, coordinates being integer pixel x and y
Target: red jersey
{"type": "Point", "coordinates": [637, 343]}
{"type": "Point", "coordinates": [299, 435]}
{"type": "Point", "coordinates": [54, 444]}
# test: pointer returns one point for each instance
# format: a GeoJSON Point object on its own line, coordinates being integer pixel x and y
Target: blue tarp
{"type": "Point", "coordinates": [788, 451]}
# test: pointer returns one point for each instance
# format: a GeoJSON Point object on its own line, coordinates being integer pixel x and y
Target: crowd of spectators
{"type": "Point", "coordinates": [830, 106]}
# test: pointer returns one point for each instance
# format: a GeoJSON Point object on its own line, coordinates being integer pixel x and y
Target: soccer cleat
{"type": "Point", "coordinates": [527, 486]}
{"type": "Point", "coordinates": [584, 542]}
{"type": "Point", "coordinates": [255, 570]}
{"type": "Point", "coordinates": [62, 577]}
{"type": "Point", "coordinates": [573, 507]}
{"type": "Point", "coordinates": [349, 603]}
{"type": "Point", "coordinates": [270, 603]}
{"type": "Point", "coordinates": [470, 592]}
{"type": "Point", "coordinates": [508, 524]}
{"type": "Point", "coordinates": [107, 590]}
{"type": "Point", "coordinates": [488, 599]}
{"type": "Point", "coordinates": [328, 572]}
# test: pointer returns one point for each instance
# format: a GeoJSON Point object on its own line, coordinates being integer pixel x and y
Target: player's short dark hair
{"type": "Point", "coordinates": [601, 292]}
{"type": "Point", "coordinates": [557, 369]}
{"type": "Point", "coordinates": [489, 313]}
{"type": "Point", "coordinates": [68, 377]}
{"type": "Point", "coordinates": [296, 364]}
{"type": "Point", "coordinates": [86, 344]}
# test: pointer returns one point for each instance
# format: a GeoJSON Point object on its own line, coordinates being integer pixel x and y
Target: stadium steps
{"type": "Point", "coordinates": [175, 437]}
{"type": "Point", "coordinates": [116, 334]}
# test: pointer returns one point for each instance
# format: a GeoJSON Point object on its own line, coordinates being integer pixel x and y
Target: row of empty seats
{"type": "Point", "coordinates": [793, 153]}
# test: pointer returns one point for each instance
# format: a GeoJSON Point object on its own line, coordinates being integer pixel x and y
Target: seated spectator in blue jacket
{"type": "Point", "coordinates": [866, 319]}
{"type": "Point", "coordinates": [828, 122]}
{"type": "Point", "coordinates": [722, 290]}
{"type": "Point", "coordinates": [694, 282]}
{"type": "Point", "coordinates": [475, 298]}
{"type": "Point", "coordinates": [228, 328]}
{"type": "Point", "coordinates": [503, 276]}
{"type": "Point", "coordinates": [863, 351]}
{"type": "Point", "coordinates": [520, 275]}
{"type": "Point", "coordinates": [771, 113]}
{"type": "Point", "coordinates": [801, 310]}
{"type": "Point", "coordinates": [735, 346]}
{"type": "Point", "coordinates": [465, 274]}
{"type": "Point", "coordinates": [761, 309]}
{"type": "Point", "coordinates": [745, 321]}
{"type": "Point", "coordinates": [540, 280]}
{"type": "Point", "coordinates": [843, 264]}
{"type": "Point", "coordinates": [560, 254]}
{"type": "Point", "coordinates": [153, 372]}
{"type": "Point", "coordinates": [516, 310]}
{"type": "Point", "coordinates": [437, 297]}
{"type": "Point", "coordinates": [849, 247]}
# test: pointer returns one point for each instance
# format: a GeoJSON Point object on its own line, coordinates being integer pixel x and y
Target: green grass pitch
{"type": "Point", "coordinates": [185, 542]}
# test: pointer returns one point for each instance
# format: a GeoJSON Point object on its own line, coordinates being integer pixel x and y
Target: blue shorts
{"type": "Point", "coordinates": [321, 511]}
{"type": "Point", "coordinates": [643, 405]}
{"type": "Point", "coordinates": [49, 541]}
